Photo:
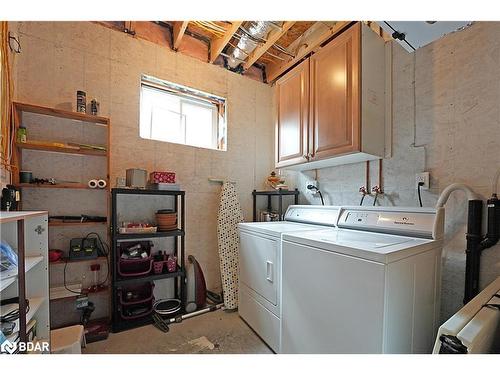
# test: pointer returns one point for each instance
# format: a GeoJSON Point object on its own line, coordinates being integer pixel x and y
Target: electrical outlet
{"type": "Point", "coordinates": [422, 177]}
{"type": "Point", "coordinates": [313, 183]}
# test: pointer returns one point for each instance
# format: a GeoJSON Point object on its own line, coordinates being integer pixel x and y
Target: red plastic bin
{"type": "Point", "coordinates": [140, 293]}
{"type": "Point", "coordinates": [134, 267]}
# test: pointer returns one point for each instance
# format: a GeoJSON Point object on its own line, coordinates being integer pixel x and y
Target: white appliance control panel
{"type": "Point", "coordinates": [418, 223]}
{"type": "Point", "coordinates": [320, 215]}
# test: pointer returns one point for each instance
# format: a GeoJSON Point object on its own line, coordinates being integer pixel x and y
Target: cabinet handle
{"type": "Point", "coordinates": [269, 271]}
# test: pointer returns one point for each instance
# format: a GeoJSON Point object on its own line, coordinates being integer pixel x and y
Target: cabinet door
{"type": "Point", "coordinates": [293, 115]}
{"type": "Point", "coordinates": [335, 96]}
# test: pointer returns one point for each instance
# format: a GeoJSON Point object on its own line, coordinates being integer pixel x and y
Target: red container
{"type": "Point", "coordinates": [162, 177]}
{"type": "Point", "coordinates": [171, 263]}
{"type": "Point", "coordinates": [135, 294]}
{"type": "Point", "coordinates": [136, 266]}
{"type": "Point", "coordinates": [158, 267]}
{"type": "Point", "coordinates": [55, 255]}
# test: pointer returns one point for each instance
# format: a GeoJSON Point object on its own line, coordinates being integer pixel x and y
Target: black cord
{"type": "Point", "coordinates": [312, 187]}
{"type": "Point", "coordinates": [375, 199]}
{"type": "Point", "coordinates": [492, 305]}
{"type": "Point", "coordinates": [14, 314]}
{"type": "Point", "coordinates": [419, 195]}
{"type": "Point", "coordinates": [321, 196]}
{"type": "Point", "coordinates": [106, 250]}
{"type": "Point", "coordinates": [64, 279]}
{"type": "Point", "coordinates": [17, 48]}
{"type": "Point", "coordinates": [362, 199]}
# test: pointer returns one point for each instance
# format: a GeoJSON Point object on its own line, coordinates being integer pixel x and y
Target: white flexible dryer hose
{"type": "Point", "coordinates": [438, 230]}
{"type": "Point", "coordinates": [445, 194]}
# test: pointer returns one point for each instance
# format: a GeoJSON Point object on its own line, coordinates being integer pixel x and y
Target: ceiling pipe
{"type": "Point", "coordinates": [248, 41]}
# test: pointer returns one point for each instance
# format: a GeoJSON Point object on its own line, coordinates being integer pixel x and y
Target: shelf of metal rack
{"type": "Point", "coordinates": [274, 193]}
{"type": "Point", "coordinates": [179, 250]}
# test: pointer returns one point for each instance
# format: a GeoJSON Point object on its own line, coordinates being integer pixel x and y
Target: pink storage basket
{"type": "Point", "coordinates": [136, 266]}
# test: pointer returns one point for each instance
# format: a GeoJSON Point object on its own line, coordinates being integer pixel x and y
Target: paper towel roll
{"type": "Point", "coordinates": [92, 184]}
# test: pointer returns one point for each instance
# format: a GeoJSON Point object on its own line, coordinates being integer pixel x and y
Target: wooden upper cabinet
{"type": "Point", "coordinates": [331, 109]}
{"type": "Point", "coordinates": [292, 116]}
{"type": "Point", "coordinates": [335, 97]}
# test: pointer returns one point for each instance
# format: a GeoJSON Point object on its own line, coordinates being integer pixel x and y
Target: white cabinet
{"type": "Point", "coordinates": [27, 233]}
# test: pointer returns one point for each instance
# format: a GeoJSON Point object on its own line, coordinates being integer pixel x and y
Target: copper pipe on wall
{"type": "Point", "coordinates": [367, 175]}
{"type": "Point", "coordinates": [380, 181]}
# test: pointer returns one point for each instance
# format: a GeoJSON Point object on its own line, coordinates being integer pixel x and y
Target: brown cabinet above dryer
{"type": "Point", "coordinates": [331, 107]}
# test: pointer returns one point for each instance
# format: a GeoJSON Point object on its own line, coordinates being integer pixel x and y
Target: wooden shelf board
{"type": "Point", "coordinates": [67, 185]}
{"type": "Point", "coordinates": [76, 224]}
{"type": "Point", "coordinates": [25, 107]}
{"type": "Point", "coordinates": [64, 260]}
{"type": "Point", "coordinates": [58, 149]}
{"type": "Point", "coordinates": [60, 293]}
{"type": "Point", "coordinates": [8, 277]}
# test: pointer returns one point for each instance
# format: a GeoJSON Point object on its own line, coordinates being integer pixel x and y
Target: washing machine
{"type": "Point", "coordinates": [371, 284]}
{"type": "Point", "coordinates": [259, 290]}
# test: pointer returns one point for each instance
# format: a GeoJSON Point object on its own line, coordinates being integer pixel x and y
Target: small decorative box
{"type": "Point", "coordinates": [172, 263]}
{"type": "Point", "coordinates": [162, 177]}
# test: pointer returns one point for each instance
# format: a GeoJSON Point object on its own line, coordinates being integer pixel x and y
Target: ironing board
{"type": "Point", "coordinates": [228, 217]}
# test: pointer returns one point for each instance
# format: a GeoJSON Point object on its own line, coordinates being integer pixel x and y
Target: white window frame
{"type": "Point", "coordinates": [187, 95]}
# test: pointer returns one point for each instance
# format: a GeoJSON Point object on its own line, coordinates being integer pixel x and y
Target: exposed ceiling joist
{"type": "Point", "coordinates": [271, 40]}
{"type": "Point", "coordinates": [179, 28]}
{"type": "Point", "coordinates": [276, 69]}
{"type": "Point", "coordinates": [218, 44]}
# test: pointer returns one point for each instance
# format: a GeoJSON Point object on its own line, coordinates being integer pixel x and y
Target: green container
{"type": "Point", "coordinates": [22, 134]}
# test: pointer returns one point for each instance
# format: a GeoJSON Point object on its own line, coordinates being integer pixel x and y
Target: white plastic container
{"type": "Point", "coordinates": [68, 340]}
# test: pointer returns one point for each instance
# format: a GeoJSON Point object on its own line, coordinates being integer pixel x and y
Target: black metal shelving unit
{"type": "Point", "coordinates": [179, 250]}
{"type": "Point", "coordinates": [280, 193]}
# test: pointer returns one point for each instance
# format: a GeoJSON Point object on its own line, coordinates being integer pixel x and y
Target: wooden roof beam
{"type": "Point", "coordinates": [271, 40]}
{"type": "Point", "coordinates": [218, 44]}
{"type": "Point", "coordinates": [275, 70]}
{"type": "Point", "coordinates": [179, 28]}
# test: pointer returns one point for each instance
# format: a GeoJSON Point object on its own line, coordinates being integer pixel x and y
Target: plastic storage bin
{"type": "Point", "coordinates": [135, 294]}
{"type": "Point", "coordinates": [134, 267]}
{"type": "Point", "coordinates": [68, 340]}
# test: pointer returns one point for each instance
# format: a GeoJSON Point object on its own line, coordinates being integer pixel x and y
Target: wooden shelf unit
{"type": "Point", "coordinates": [33, 108]}
{"type": "Point", "coordinates": [61, 149]}
{"type": "Point", "coordinates": [65, 185]}
{"type": "Point", "coordinates": [89, 124]}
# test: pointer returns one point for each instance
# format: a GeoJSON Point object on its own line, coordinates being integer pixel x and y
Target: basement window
{"type": "Point", "coordinates": [178, 114]}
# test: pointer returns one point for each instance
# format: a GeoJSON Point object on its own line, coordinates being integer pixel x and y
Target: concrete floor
{"type": "Point", "coordinates": [215, 332]}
